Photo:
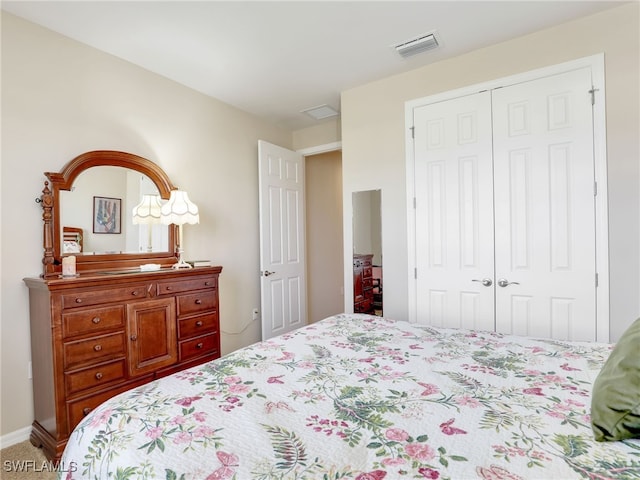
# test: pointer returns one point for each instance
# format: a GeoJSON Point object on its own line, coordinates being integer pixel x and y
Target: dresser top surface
{"type": "Point", "coordinates": [112, 277]}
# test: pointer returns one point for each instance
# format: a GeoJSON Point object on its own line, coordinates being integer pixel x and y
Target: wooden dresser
{"type": "Point", "coordinates": [362, 283]}
{"type": "Point", "coordinates": [99, 334]}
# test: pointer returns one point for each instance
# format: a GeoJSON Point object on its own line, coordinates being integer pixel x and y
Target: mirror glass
{"type": "Point", "coordinates": [100, 203]}
{"type": "Point", "coordinates": [367, 251]}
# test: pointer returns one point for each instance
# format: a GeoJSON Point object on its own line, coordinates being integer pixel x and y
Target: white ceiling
{"type": "Point", "coordinates": [275, 59]}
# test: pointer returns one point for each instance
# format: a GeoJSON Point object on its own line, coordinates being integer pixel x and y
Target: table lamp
{"type": "Point", "coordinates": [147, 212]}
{"type": "Point", "coordinates": [179, 210]}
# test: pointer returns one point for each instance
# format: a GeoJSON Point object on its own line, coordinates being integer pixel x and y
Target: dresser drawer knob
{"type": "Point", "coordinates": [134, 293]}
{"type": "Point", "coordinates": [199, 345]}
{"type": "Point", "coordinates": [98, 376]}
{"type": "Point", "coordinates": [167, 288]}
{"type": "Point", "coordinates": [86, 411]}
{"type": "Point", "coordinates": [198, 301]}
{"type": "Point", "coordinates": [207, 284]}
{"type": "Point", "coordinates": [97, 348]}
{"type": "Point", "coordinates": [199, 323]}
{"type": "Point", "coordinates": [78, 300]}
{"type": "Point", "coordinates": [133, 338]}
{"type": "Point", "coordinates": [96, 320]}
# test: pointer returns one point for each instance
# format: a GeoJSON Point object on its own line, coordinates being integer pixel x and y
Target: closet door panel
{"type": "Point", "coordinates": [544, 207]}
{"type": "Point", "coordinates": [454, 213]}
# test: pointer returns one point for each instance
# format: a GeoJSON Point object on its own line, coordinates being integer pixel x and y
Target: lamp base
{"type": "Point", "coordinates": [181, 264]}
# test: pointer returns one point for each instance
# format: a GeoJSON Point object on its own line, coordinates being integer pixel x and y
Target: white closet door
{"type": "Point", "coordinates": [544, 207]}
{"type": "Point", "coordinates": [454, 213]}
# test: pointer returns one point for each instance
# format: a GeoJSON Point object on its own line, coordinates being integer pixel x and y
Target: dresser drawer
{"type": "Point", "coordinates": [95, 376]}
{"type": "Point", "coordinates": [93, 350]}
{"type": "Point", "coordinates": [205, 345]}
{"type": "Point", "coordinates": [79, 409]}
{"type": "Point", "coordinates": [194, 326]}
{"type": "Point", "coordinates": [92, 320]}
{"type": "Point", "coordinates": [364, 306]}
{"type": "Point", "coordinates": [107, 295]}
{"type": "Point", "coordinates": [186, 284]}
{"type": "Point", "coordinates": [196, 303]}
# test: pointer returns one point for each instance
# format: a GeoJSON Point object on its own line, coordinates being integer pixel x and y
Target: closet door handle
{"type": "Point", "coordinates": [503, 282]}
{"type": "Point", "coordinates": [487, 282]}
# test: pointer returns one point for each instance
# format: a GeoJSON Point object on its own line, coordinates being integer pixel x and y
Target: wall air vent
{"type": "Point", "coordinates": [417, 45]}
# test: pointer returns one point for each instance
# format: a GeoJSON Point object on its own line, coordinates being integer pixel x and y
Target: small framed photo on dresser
{"type": "Point", "coordinates": [107, 214]}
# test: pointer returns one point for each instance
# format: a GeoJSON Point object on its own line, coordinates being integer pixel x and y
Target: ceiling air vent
{"type": "Point", "coordinates": [417, 45]}
{"type": "Point", "coordinates": [321, 111]}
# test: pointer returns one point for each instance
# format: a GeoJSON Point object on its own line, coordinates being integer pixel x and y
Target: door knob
{"type": "Point", "coordinates": [487, 282]}
{"type": "Point", "coordinates": [266, 273]}
{"type": "Point", "coordinates": [503, 282]}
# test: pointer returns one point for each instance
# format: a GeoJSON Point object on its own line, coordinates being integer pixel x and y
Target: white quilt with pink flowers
{"type": "Point", "coordinates": [365, 398]}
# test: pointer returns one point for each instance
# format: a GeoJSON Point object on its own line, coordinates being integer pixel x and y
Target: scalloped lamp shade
{"type": "Point", "coordinates": [179, 209]}
{"type": "Point", "coordinates": [148, 210]}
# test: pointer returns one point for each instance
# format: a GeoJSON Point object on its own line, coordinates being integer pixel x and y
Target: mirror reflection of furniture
{"type": "Point", "coordinates": [72, 239]}
{"type": "Point", "coordinates": [179, 210]}
{"type": "Point", "coordinates": [147, 213]}
{"type": "Point", "coordinates": [362, 284]}
{"type": "Point", "coordinates": [65, 180]}
{"type": "Point", "coordinates": [367, 243]}
{"type": "Point", "coordinates": [376, 281]}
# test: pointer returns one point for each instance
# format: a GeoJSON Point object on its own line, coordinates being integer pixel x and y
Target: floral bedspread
{"type": "Point", "coordinates": [366, 398]}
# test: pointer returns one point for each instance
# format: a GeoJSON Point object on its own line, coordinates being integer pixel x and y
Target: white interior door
{"type": "Point", "coordinates": [454, 213]}
{"type": "Point", "coordinates": [282, 239]}
{"type": "Point", "coordinates": [545, 207]}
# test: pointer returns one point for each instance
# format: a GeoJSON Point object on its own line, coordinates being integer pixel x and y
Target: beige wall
{"type": "Point", "coordinates": [373, 139]}
{"type": "Point", "coordinates": [324, 133]}
{"type": "Point", "coordinates": [324, 235]}
{"type": "Point", "coordinates": [61, 98]}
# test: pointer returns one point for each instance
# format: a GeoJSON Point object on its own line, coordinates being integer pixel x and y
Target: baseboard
{"type": "Point", "coordinates": [15, 437]}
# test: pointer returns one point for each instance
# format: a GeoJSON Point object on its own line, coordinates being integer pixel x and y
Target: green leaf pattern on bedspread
{"type": "Point", "coordinates": [365, 398]}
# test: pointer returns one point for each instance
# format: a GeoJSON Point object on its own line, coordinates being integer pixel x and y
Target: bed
{"type": "Point", "coordinates": [362, 397]}
{"type": "Point", "coordinates": [72, 239]}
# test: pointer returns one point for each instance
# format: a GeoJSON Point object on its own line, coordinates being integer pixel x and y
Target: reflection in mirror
{"type": "Point", "coordinates": [367, 252]}
{"type": "Point", "coordinates": [124, 189]}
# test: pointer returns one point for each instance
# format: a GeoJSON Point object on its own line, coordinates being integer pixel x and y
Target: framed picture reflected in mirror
{"type": "Point", "coordinates": [107, 214]}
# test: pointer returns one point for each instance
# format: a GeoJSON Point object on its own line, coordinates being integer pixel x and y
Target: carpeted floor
{"type": "Point", "coordinates": [23, 461]}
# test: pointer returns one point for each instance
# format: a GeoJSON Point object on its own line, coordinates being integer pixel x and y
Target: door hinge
{"type": "Point", "coordinates": [593, 94]}
{"type": "Point", "coordinates": [595, 189]}
{"type": "Point", "coordinates": [597, 280]}
{"type": "Point", "coordinates": [414, 203]}
{"type": "Point", "coordinates": [415, 273]}
{"type": "Point", "coordinates": [413, 132]}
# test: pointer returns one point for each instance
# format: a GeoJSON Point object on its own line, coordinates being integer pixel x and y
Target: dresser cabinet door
{"type": "Point", "coordinates": [151, 330]}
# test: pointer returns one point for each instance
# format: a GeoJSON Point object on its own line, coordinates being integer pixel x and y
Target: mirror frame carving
{"type": "Point", "coordinates": [52, 230]}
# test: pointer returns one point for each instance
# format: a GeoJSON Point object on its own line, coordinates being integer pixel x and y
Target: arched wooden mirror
{"type": "Point", "coordinates": [88, 213]}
